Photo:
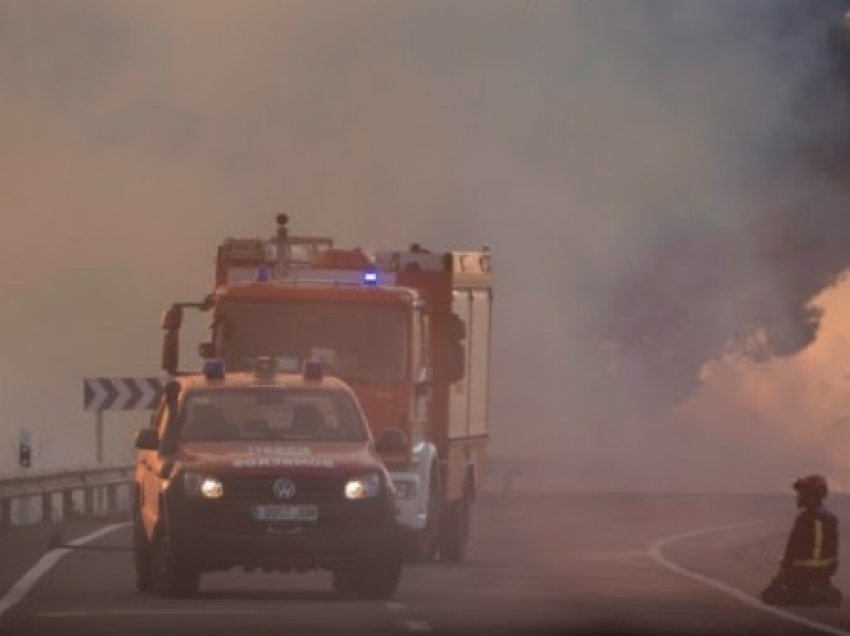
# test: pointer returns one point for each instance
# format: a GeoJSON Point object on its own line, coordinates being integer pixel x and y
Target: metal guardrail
{"type": "Point", "coordinates": [99, 489]}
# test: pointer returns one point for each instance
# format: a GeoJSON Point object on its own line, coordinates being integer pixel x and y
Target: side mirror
{"type": "Point", "coordinates": [172, 318]}
{"type": "Point", "coordinates": [455, 327]}
{"type": "Point", "coordinates": [147, 439]}
{"type": "Point", "coordinates": [455, 362]}
{"type": "Point", "coordinates": [170, 351]}
{"type": "Point", "coordinates": [450, 358]}
{"type": "Point", "coordinates": [391, 441]}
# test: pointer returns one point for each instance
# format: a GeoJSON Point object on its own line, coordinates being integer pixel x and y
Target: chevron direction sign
{"type": "Point", "coordinates": [121, 394]}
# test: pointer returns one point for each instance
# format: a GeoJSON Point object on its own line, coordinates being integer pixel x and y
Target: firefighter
{"type": "Point", "coordinates": [811, 554]}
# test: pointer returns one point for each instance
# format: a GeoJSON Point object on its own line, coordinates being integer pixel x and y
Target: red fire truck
{"type": "Point", "coordinates": [409, 331]}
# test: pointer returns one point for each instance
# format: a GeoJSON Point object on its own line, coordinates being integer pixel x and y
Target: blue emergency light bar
{"type": "Point", "coordinates": [264, 274]}
{"type": "Point", "coordinates": [370, 278]}
{"type": "Point", "coordinates": [214, 369]}
{"type": "Point", "coordinates": [313, 369]}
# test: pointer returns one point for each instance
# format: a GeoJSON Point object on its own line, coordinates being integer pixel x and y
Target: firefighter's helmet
{"type": "Point", "coordinates": [812, 485]}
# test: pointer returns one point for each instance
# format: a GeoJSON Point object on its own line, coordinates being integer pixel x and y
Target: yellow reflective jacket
{"type": "Point", "coordinates": [813, 542]}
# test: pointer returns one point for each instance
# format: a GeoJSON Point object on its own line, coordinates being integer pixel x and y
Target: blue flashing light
{"type": "Point", "coordinates": [313, 369]}
{"type": "Point", "coordinates": [264, 274]}
{"type": "Point", "coordinates": [370, 278]}
{"type": "Point", "coordinates": [214, 369]}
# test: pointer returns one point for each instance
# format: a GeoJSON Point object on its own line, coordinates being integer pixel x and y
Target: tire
{"type": "Point", "coordinates": [344, 581]}
{"type": "Point", "coordinates": [375, 579]}
{"type": "Point", "coordinates": [142, 556]}
{"type": "Point", "coordinates": [834, 597]}
{"type": "Point", "coordinates": [455, 534]}
{"type": "Point", "coordinates": [171, 578]}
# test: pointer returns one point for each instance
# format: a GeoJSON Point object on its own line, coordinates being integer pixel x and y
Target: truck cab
{"type": "Point", "coordinates": [265, 471]}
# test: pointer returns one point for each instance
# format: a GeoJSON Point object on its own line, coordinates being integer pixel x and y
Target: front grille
{"type": "Point", "coordinates": [308, 489]}
{"type": "Point", "coordinates": [231, 515]}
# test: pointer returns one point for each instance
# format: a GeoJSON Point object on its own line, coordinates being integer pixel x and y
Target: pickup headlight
{"type": "Point", "coordinates": [363, 486]}
{"type": "Point", "coordinates": [198, 485]}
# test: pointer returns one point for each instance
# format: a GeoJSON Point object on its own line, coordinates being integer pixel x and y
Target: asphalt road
{"type": "Point", "coordinates": [538, 564]}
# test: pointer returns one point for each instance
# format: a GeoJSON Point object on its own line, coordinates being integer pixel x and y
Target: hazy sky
{"type": "Point", "coordinates": [649, 174]}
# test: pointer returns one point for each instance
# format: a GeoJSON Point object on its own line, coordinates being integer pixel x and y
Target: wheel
{"type": "Point", "coordinates": [142, 556]}
{"type": "Point", "coordinates": [371, 579]}
{"type": "Point", "coordinates": [344, 580]}
{"type": "Point", "coordinates": [834, 597]}
{"type": "Point", "coordinates": [170, 577]}
{"type": "Point", "coordinates": [455, 534]}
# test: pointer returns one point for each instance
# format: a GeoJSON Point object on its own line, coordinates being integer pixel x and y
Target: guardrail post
{"type": "Point", "coordinates": [98, 435]}
{"type": "Point", "coordinates": [5, 514]}
{"type": "Point", "coordinates": [112, 498]}
{"type": "Point", "coordinates": [88, 501]}
{"type": "Point", "coordinates": [47, 507]}
{"type": "Point", "coordinates": [68, 503]}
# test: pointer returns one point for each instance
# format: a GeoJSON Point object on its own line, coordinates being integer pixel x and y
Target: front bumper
{"type": "Point", "coordinates": [215, 535]}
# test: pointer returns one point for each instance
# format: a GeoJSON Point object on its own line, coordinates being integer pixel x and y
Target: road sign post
{"type": "Point", "coordinates": [118, 394]}
{"type": "Point", "coordinates": [25, 448]}
{"type": "Point", "coordinates": [98, 436]}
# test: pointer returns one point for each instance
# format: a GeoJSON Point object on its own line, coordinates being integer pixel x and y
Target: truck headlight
{"type": "Point", "coordinates": [363, 486]}
{"type": "Point", "coordinates": [198, 485]}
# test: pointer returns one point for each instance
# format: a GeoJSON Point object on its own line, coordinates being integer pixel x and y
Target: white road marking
{"type": "Point", "coordinates": [164, 612]}
{"type": "Point", "coordinates": [418, 626]}
{"type": "Point", "coordinates": [509, 514]}
{"type": "Point", "coordinates": [412, 625]}
{"type": "Point", "coordinates": [633, 556]}
{"type": "Point", "coordinates": [656, 552]}
{"type": "Point", "coordinates": [24, 584]}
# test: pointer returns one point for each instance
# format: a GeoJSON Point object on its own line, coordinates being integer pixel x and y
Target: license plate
{"type": "Point", "coordinates": [284, 513]}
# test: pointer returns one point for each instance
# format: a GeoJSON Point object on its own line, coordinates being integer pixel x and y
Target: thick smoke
{"type": "Point", "coordinates": [660, 183]}
{"type": "Point", "coordinates": [738, 271]}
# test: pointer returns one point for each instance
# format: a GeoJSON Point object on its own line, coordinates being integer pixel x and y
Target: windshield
{"type": "Point", "coordinates": [270, 414]}
{"type": "Point", "coordinates": [356, 341]}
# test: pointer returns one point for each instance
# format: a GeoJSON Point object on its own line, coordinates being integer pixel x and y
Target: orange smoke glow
{"type": "Point", "coordinates": [791, 414]}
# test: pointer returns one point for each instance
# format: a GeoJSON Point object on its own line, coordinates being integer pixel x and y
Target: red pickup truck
{"type": "Point", "coordinates": [264, 471]}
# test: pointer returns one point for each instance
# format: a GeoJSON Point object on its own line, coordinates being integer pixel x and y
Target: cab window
{"type": "Point", "coordinates": [270, 414]}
